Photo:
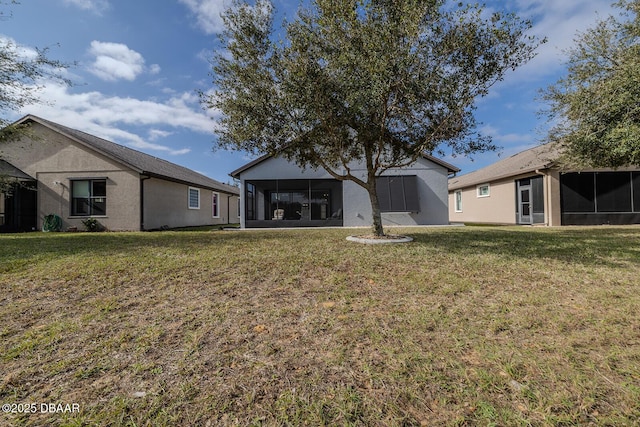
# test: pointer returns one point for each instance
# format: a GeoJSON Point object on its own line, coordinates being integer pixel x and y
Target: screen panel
{"type": "Point", "coordinates": [613, 191]}
{"type": "Point", "coordinates": [578, 192]}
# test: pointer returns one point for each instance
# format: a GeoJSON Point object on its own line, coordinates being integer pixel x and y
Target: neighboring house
{"type": "Point", "coordinates": [529, 188]}
{"type": "Point", "coordinates": [278, 193]}
{"type": "Point", "coordinates": [76, 176]}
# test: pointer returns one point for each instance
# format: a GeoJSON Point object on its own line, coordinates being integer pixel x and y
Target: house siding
{"type": "Point", "coordinates": [498, 208]}
{"type": "Point", "coordinates": [166, 205]}
{"type": "Point", "coordinates": [55, 160]}
{"type": "Point", "coordinates": [552, 203]}
{"type": "Point", "coordinates": [432, 190]}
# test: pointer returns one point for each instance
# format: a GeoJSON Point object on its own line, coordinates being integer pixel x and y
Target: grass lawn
{"type": "Point", "coordinates": [463, 326]}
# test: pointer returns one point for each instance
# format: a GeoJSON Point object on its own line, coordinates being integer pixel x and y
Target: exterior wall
{"type": "Point", "coordinates": [279, 168]}
{"type": "Point", "coordinates": [432, 194]}
{"type": "Point", "coordinates": [54, 160]}
{"type": "Point", "coordinates": [432, 190]}
{"type": "Point", "coordinates": [234, 209]}
{"type": "Point", "coordinates": [552, 204]}
{"type": "Point", "coordinates": [497, 208]}
{"type": "Point", "coordinates": [166, 204]}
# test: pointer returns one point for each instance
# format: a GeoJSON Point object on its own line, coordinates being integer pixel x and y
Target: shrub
{"type": "Point", "coordinates": [92, 224]}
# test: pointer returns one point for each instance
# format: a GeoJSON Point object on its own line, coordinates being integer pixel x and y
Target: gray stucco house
{"type": "Point", "coordinates": [76, 175]}
{"type": "Point", "coordinates": [278, 193]}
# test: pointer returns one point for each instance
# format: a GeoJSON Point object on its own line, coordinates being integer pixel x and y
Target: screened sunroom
{"type": "Point", "coordinates": [293, 203]}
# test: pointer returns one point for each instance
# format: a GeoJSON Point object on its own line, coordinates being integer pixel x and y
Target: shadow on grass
{"type": "Point", "coordinates": [18, 251]}
{"type": "Point", "coordinates": [613, 246]}
{"type": "Point", "coordinates": [610, 246]}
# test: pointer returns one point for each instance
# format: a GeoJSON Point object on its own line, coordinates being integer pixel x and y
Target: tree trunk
{"type": "Point", "coordinates": [376, 226]}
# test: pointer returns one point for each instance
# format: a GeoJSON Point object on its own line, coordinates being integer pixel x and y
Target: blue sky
{"type": "Point", "coordinates": [139, 64]}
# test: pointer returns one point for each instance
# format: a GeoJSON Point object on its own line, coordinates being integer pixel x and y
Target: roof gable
{"type": "Point", "coordinates": [536, 158]}
{"type": "Point", "coordinates": [236, 173]}
{"type": "Point", "coordinates": [133, 159]}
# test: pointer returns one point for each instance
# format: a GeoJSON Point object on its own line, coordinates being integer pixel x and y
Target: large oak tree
{"type": "Point", "coordinates": [596, 106]}
{"type": "Point", "coordinates": [375, 82]}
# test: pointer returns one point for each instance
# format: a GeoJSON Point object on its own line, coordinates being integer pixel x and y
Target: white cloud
{"type": "Point", "coordinates": [154, 69]}
{"type": "Point", "coordinates": [499, 138]}
{"type": "Point", "coordinates": [111, 117]}
{"type": "Point", "coordinates": [207, 14]}
{"type": "Point", "coordinates": [559, 22]}
{"type": "Point", "coordinates": [155, 134]}
{"type": "Point", "coordinates": [95, 6]}
{"type": "Point", "coordinates": [143, 145]}
{"type": "Point", "coordinates": [115, 61]}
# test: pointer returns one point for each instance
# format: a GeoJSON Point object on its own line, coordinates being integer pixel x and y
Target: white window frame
{"type": "Point", "coordinates": [215, 196]}
{"type": "Point", "coordinates": [478, 190]}
{"type": "Point", "coordinates": [197, 190]}
{"type": "Point", "coordinates": [457, 202]}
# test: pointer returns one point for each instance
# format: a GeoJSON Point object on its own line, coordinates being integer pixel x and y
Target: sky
{"type": "Point", "coordinates": [139, 64]}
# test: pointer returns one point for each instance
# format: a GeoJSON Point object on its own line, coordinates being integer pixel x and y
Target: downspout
{"type": "Point", "coordinates": [143, 178]}
{"type": "Point", "coordinates": [229, 196]}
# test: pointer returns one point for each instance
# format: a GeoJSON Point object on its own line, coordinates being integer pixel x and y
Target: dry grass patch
{"type": "Point", "coordinates": [463, 326]}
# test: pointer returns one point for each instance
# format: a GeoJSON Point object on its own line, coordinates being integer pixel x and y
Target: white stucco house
{"type": "Point", "coordinates": [277, 193]}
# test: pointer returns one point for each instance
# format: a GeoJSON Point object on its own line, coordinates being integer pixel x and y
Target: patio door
{"type": "Point", "coordinates": [18, 212]}
{"type": "Point", "coordinates": [525, 207]}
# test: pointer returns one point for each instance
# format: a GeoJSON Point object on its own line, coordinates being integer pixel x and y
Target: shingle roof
{"type": "Point", "coordinates": [136, 160]}
{"type": "Point", "coordinates": [540, 157]}
{"type": "Point", "coordinates": [7, 169]}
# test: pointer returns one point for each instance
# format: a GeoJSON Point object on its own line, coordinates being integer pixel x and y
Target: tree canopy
{"type": "Point", "coordinates": [375, 82]}
{"type": "Point", "coordinates": [597, 104]}
{"type": "Point", "coordinates": [21, 71]}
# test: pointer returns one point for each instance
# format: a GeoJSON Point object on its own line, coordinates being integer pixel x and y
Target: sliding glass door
{"type": "Point", "coordinates": [299, 204]}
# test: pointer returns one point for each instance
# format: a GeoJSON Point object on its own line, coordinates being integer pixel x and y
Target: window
{"type": "Point", "coordinates": [89, 197]}
{"type": "Point", "coordinates": [250, 201]}
{"type": "Point", "coordinates": [194, 198]}
{"type": "Point", "coordinates": [483, 190]}
{"type": "Point", "coordinates": [458, 202]}
{"type": "Point", "coordinates": [398, 193]}
{"type": "Point", "coordinates": [215, 205]}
